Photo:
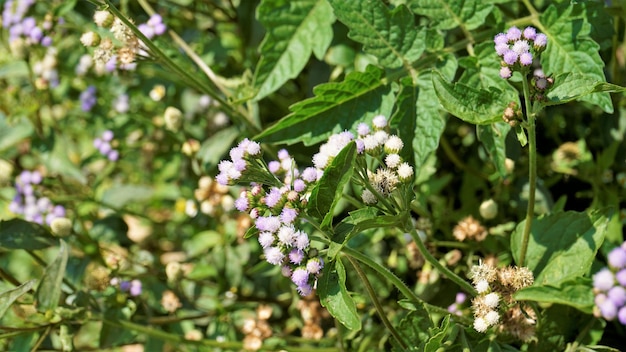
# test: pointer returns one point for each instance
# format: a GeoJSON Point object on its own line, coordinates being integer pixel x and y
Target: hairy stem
{"type": "Point", "coordinates": [532, 169]}
{"type": "Point", "coordinates": [376, 302]}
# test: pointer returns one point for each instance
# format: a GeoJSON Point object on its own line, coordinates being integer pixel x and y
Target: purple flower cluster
{"type": "Point", "coordinates": [456, 307]}
{"type": "Point", "coordinates": [153, 27]}
{"type": "Point", "coordinates": [28, 203]}
{"type": "Point", "coordinates": [88, 98]}
{"type": "Point", "coordinates": [133, 287]}
{"type": "Point", "coordinates": [103, 144]}
{"type": "Point", "coordinates": [275, 202]}
{"type": "Point", "coordinates": [610, 287]}
{"type": "Point", "coordinates": [13, 18]}
{"type": "Point", "coordinates": [243, 156]}
{"type": "Point", "coordinates": [516, 48]}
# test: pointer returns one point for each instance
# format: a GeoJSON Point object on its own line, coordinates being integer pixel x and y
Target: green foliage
{"type": "Point", "coordinates": [295, 29]}
{"type": "Point", "coordinates": [335, 297]}
{"type": "Point", "coordinates": [450, 14]}
{"type": "Point", "coordinates": [49, 288]}
{"type": "Point", "coordinates": [335, 107]}
{"type": "Point", "coordinates": [562, 245]}
{"type": "Point", "coordinates": [391, 36]}
{"type": "Point", "coordinates": [20, 234]}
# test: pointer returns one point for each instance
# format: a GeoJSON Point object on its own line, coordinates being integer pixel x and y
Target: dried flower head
{"type": "Point", "coordinates": [469, 228]}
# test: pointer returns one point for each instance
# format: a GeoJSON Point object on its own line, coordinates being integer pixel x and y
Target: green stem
{"type": "Point", "coordinates": [465, 286]}
{"type": "Point", "coordinates": [376, 302]}
{"type": "Point", "coordinates": [532, 169]}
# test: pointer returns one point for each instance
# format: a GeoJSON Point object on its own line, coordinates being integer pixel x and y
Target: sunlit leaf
{"type": "Point", "coordinates": [9, 296]}
{"type": "Point", "coordinates": [49, 289]}
{"type": "Point", "coordinates": [331, 288]}
{"type": "Point", "coordinates": [450, 14]}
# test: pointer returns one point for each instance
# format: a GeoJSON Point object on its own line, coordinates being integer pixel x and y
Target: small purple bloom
{"type": "Point", "coordinates": [268, 223]}
{"type": "Point", "coordinates": [266, 239]}
{"type": "Point", "coordinates": [242, 203]}
{"type": "Point", "coordinates": [513, 34]}
{"type": "Point", "coordinates": [288, 215]}
{"type": "Point", "coordinates": [460, 298]}
{"type": "Point", "coordinates": [501, 49]}
{"type": "Point", "coordinates": [608, 309]}
{"type": "Point", "coordinates": [274, 255]}
{"type": "Point", "coordinates": [302, 240]}
{"type": "Point", "coordinates": [617, 258]}
{"type": "Point", "coordinates": [46, 41]}
{"type": "Point", "coordinates": [314, 265]}
{"type": "Point", "coordinates": [107, 135]}
{"type": "Point", "coordinates": [526, 58]}
{"type": "Point", "coordinates": [113, 155]}
{"type": "Point", "coordinates": [273, 197]}
{"type": "Point", "coordinates": [617, 294]}
{"type": "Point", "coordinates": [510, 57]}
{"type": "Point", "coordinates": [300, 277]}
{"type": "Point", "coordinates": [540, 41]}
{"type": "Point", "coordinates": [603, 280]}
{"type": "Point", "coordinates": [530, 33]}
{"type": "Point", "coordinates": [500, 38]}
{"type": "Point", "coordinates": [296, 256]}
{"type": "Point", "coordinates": [273, 166]}
{"type": "Point", "coordinates": [505, 72]}
{"type": "Point", "coordinates": [304, 290]}
{"type": "Point", "coordinates": [135, 288]}
{"type": "Point", "coordinates": [309, 174]}
{"type": "Point", "coordinates": [299, 185]}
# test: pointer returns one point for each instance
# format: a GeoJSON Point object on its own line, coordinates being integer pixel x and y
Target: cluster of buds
{"type": "Point", "coordinates": [46, 70]}
{"type": "Point", "coordinates": [257, 329]}
{"type": "Point", "coordinates": [276, 198]}
{"type": "Point", "coordinates": [24, 30]}
{"type": "Point", "coordinates": [133, 287]}
{"type": "Point", "coordinates": [494, 305]}
{"type": "Point", "coordinates": [30, 204]}
{"type": "Point", "coordinates": [469, 228]}
{"type": "Point", "coordinates": [107, 56]}
{"type": "Point", "coordinates": [609, 286]}
{"type": "Point", "coordinates": [540, 84]}
{"type": "Point", "coordinates": [512, 114]}
{"type": "Point", "coordinates": [312, 314]}
{"type": "Point", "coordinates": [517, 48]}
{"type": "Point", "coordinates": [104, 145]}
{"type": "Point", "coordinates": [377, 142]}
{"type": "Point", "coordinates": [456, 308]}
{"type": "Point", "coordinates": [213, 198]}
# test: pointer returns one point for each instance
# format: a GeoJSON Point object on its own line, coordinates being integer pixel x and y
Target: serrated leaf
{"type": "Point", "coordinates": [403, 120]}
{"type": "Point", "coordinates": [335, 107]}
{"type": "Point", "coordinates": [430, 121]}
{"type": "Point", "coordinates": [483, 70]}
{"type": "Point", "coordinates": [21, 234]}
{"type": "Point", "coordinates": [477, 106]}
{"type": "Point", "coordinates": [295, 28]}
{"type": "Point", "coordinates": [331, 288]}
{"type": "Point", "coordinates": [391, 36]}
{"type": "Point", "coordinates": [571, 49]}
{"type": "Point", "coordinates": [575, 293]}
{"type": "Point", "coordinates": [49, 289]}
{"type": "Point", "coordinates": [561, 246]}
{"type": "Point", "coordinates": [451, 14]}
{"type": "Point", "coordinates": [414, 328]}
{"type": "Point", "coordinates": [328, 190]}
{"type": "Point", "coordinates": [9, 296]}
{"type": "Point", "coordinates": [572, 86]}
{"type": "Point", "coordinates": [493, 138]}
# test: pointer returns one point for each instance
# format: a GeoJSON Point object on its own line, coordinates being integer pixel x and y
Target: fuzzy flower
{"type": "Point", "coordinates": [379, 122]}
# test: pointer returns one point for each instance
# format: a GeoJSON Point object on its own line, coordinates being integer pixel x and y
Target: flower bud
{"type": "Point", "coordinates": [90, 39]}
{"type": "Point", "coordinates": [173, 118]}
{"type": "Point", "coordinates": [6, 169]}
{"type": "Point", "coordinates": [488, 209]}
{"type": "Point", "coordinates": [103, 18]}
{"type": "Point", "coordinates": [61, 227]}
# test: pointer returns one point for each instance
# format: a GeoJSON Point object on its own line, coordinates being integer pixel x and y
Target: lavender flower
{"type": "Point", "coordinates": [518, 49]}
{"type": "Point", "coordinates": [88, 98]}
{"type": "Point", "coordinates": [610, 287]}
{"type": "Point", "coordinates": [28, 203]}
{"type": "Point", "coordinates": [104, 145]}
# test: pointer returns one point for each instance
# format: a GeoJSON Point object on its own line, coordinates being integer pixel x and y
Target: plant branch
{"type": "Point", "coordinates": [532, 169]}
{"type": "Point", "coordinates": [376, 302]}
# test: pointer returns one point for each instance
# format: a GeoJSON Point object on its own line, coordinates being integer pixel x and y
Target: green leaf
{"type": "Point", "coordinates": [493, 138]}
{"type": "Point", "coordinates": [21, 234]}
{"type": "Point", "coordinates": [120, 195]}
{"type": "Point", "coordinates": [574, 293]}
{"type": "Point", "coordinates": [391, 36]}
{"type": "Point", "coordinates": [414, 328]}
{"type": "Point", "coordinates": [328, 190]}
{"type": "Point", "coordinates": [571, 49]}
{"type": "Point", "coordinates": [359, 221]}
{"type": "Point", "coordinates": [13, 133]}
{"type": "Point", "coordinates": [477, 106]}
{"type": "Point", "coordinates": [483, 71]}
{"type": "Point", "coordinates": [446, 14]}
{"type": "Point", "coordinates": [336, 107]}
{"type": "Point", "coordinates": [216, 146]}
{"type": "Point", "coordinates": [405, 116]}
{"type": "Point", "coordinates": [561, 246]}
{"type": "Point", "coordinates": [430, 121]}
{"type": "Point", "coordinates": [57, 161]}
{"type": "Point", "coordinates": [334, 296]}
{"type": "Point", "coordinates": [49, 289]}
{"type": "Point", "coordinates": [9, 296]}
{"type": "Point", "coordinates": [295, 28]}
{"type": "Point", "coordinates": [573, 86]}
